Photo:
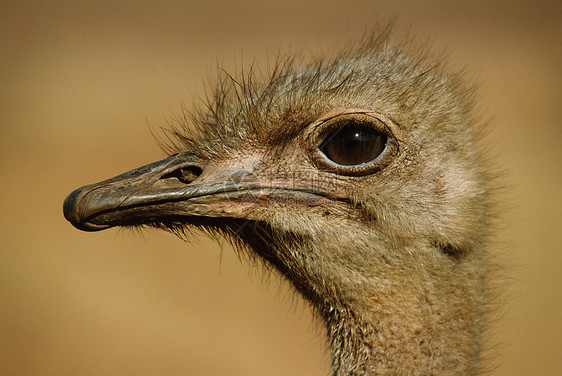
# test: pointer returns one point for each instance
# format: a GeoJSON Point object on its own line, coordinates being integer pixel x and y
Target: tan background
{"type": "Point", "coordinates": [81, 82]}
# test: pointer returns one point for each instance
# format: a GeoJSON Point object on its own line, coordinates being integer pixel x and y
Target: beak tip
{"type": "Point", "coordinates": [69, 206]}
{"type": "Point", "coordinates": [71, 212]}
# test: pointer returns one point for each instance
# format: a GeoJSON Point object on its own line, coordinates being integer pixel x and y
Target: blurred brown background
{"type": "Point", "coordinates": [83, 82]}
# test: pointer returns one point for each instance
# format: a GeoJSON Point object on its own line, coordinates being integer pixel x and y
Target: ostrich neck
{"type": "Point", "coordinates": [403, 311]}
{"type": "Point", "coordinates": [414, 327]}
{"type": "Point", "coordinates": [395, 343]}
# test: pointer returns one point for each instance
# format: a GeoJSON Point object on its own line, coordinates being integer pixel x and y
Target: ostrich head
{"type": "Point", "coordinates": [358, 178]}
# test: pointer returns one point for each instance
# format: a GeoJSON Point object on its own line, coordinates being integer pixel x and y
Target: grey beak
{"type": "Point", "coordinates": [167, 188]}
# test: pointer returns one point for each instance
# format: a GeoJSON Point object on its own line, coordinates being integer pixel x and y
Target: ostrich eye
{"type": "Point", "coordinates": [353, 144]}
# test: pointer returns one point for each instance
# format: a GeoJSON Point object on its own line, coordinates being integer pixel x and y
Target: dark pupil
{"type": "Point", "coordinates": [354, 144]}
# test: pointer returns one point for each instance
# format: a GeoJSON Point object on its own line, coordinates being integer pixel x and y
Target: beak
{"type": "Point", "coordinates": [168, 188]}
{"type": "Point", "coordinates": [184, 187]}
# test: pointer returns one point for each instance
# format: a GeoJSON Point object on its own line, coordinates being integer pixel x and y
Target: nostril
{"type": "Point", "coordinates": [185, 174]}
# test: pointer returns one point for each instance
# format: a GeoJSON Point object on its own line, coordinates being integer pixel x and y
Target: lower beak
{"type": "Point", "coordinates": [164, 189]}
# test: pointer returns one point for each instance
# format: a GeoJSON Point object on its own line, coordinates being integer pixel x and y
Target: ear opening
{"type": "Point", "coordinates": [450, 250]}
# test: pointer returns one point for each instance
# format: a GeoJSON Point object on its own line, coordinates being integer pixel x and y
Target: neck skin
{"type": "Point", "coordinates": [402, 309]}
{"type": "Point", "coordinates": [401, 338]}
{"type": "Point", "coordinates": [404, 324]}
{"type": "Point", "coordinates": [404, 312]}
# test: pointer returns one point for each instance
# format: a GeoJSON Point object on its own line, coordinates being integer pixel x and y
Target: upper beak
{"type": "Point", "coordinates": [170, 187]}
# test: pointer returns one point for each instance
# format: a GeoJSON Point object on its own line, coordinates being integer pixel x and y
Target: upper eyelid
{"type": "Point", "coordinates": [316, 128]}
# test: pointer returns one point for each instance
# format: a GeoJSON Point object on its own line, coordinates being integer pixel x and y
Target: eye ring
{"type": "Point", "coordinates": [353, 144]}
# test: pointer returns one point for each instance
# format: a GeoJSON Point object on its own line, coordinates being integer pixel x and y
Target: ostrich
{"type": "Point", "coordinates": [358, 178]}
